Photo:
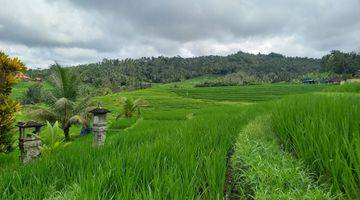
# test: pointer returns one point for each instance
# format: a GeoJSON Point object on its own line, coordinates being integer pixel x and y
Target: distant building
{"type": "Point", "coordinates": [38, 79]}
{"type": "Point", "coordinates": [335, 81]}
{"type": "Point", "coordinates": [353, 80]}
{"type": "Point", "coordinates": [309, 81]}
{"type": "Point", "coordinates": [21, 76]}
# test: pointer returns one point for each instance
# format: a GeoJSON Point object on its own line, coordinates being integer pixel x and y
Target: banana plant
{"type": "Point", "coordinates": [52, 139]}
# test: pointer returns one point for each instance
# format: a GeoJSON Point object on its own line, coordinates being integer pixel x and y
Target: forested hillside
{"type": "Point", "coordinates": [137, 73]}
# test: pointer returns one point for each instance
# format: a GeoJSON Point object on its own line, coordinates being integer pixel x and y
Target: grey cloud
{"type": "Point", "coordinates": [83, 30]}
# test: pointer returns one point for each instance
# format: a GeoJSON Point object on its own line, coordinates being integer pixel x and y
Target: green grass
{"type": "Point", "coordinates": [252, 93]}
{"type": "Point", "coordinates": [20, 88]}
{"type": "Point", "coordinates": [167, 155]}
{"type": "Point", "coordinates": [347, 87]}
{"type": "Point", "coordinates": [324, 132]}
{"type": "Point", "coordinates": [177, 149]}
{"type": "Point", "coordinates": [263, 171]}
{"type": "Point", "coordinates": [123, 123]}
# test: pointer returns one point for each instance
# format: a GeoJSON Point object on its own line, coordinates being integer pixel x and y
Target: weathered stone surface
{"type": "Point", "coordinates": [29, 148]}
{"type": "Point", "coordinates": [99, 129]}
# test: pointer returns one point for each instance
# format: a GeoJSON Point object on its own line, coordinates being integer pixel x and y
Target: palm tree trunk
{"type": "Point", "coordinates": [66, 133]}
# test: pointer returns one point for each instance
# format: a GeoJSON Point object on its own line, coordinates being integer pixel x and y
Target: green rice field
{"type": "Point", "coordinates": [291, 141]}
{"type": "Point", "coordinates": [252, 93]}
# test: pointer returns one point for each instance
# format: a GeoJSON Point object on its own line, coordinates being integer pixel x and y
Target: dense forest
{"type": "Point", "coordinates": [139, 73]}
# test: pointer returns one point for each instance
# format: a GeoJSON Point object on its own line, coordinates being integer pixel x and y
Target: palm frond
{"type": "Point", "coordinates": [84, 105]}
{"type": "Point", "coordinates": [76, 119]}
{"type": "Point", "coordinates": [44, 114]}
{"type": "Point", "coordinates": [141, 103]}
{"type": "Point", "coordinates": [63, 105]}
{"type": "Point", "coordinates": [122, 100]}
{"type": "Point", "coordinates": [64, 82]}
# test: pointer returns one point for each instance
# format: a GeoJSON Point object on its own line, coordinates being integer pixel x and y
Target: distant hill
{"type": "Point", "coordinates": [135, 73]}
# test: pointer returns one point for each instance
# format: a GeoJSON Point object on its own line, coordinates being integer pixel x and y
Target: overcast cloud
{"type": "Point", "coordinates": [81, 31]}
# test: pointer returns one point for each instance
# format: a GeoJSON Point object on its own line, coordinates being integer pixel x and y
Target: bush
{"type": "Point", "coordinates": [33, 94]}
{"type": "Point", "coordinates": [52, 138]}
{"type": "Point", "coordinates": [8, 68]}
{"type": "Point", "coordinates": [86, 90]}
{"type": "Point", "coordinates": [238, 78]}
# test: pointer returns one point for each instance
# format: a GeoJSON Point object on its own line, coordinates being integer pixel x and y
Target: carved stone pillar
{"type": "Point", "coordinates": [99, 125]}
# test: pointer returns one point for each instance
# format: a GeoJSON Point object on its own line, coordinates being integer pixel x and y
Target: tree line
{"type": "Point", "coordinates": [119, 74]}
{"type": "Point", "coordinates": [342, 63]}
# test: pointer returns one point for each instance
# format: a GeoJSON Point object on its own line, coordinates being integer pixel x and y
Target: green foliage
{"type": "Point", "coordinates": [33, 94]}
{"type": "Point", "coordinates": [341, 63]}
{"type": "Point", "coordinates": [8, 69]}
{"type": "Point", "coordinates": [86, 90]}
{"type": "Point", "coordinates": [64, 109]}
{"type": "Point", "coordinates": [19, 89]}
{"type": "Point", "coordinates": [238, 78]}
{"type": "Point", "coordinates": [51, 137]}
{"type": "Point", "coordinates": [130, 106]}
{"type": "Point", "coordinates": [318, 76]}
{"type": "Point", "coordinates": [66, 112]}
{"type": "Point", "coordinates": [323, 131]}
{"type": "Point", "coordinates": [65, 83]}
{"type": "Point", "coordinates": [140, 73]}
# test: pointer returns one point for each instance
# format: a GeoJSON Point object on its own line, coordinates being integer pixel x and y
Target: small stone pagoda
{"type": "Point", "coordinates": [29, 142]}
{"type": "Point", "coordinates": [99, 125]}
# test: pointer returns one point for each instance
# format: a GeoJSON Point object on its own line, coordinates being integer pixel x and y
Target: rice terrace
{"type": "Point", "coordinates": [75, 124]}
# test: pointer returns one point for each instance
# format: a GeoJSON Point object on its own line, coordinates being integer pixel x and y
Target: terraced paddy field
{"type": "Point", "coordinates": [198, 147]}
{"type": "Point", "coordinates": [252, 93]}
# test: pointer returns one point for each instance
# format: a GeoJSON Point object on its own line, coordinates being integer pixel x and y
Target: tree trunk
{"type": "Point", "coordinates": [66, 133]}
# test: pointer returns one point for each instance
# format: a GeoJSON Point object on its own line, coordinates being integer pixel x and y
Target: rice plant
{"type": "Point", "coordinates": [347, 87]}
{"type": "Point", "coordinates": [323, 131]}
{"type": "Point", "coordinates": [251, 93]}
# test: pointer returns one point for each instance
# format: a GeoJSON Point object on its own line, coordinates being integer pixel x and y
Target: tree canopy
{"type": "Point", "coordinates": [341, 63]}
{"type": "Point", "coordinates": [138, 73]}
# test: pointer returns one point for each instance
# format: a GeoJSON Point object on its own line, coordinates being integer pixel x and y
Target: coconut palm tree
{"type": "Point", "coordinates": [65, 109]}
{"type": "Point", "coordinates": [130, 106]}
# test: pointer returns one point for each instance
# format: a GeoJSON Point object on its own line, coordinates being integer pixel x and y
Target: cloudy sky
{"type": "Point", "coordinates": [81, 31]}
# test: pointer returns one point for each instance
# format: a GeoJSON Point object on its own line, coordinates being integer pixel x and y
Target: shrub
{"type": "Point", "coordinates": [238, 78]}
{"type": "Point", "coordinates": [8, 69]}
{"type": "Point", "coordinates": [51, 137]}
{"type": "Point", "coordinates": [130, 106]}
{"type": "Point", "coordinates": [33, 94]}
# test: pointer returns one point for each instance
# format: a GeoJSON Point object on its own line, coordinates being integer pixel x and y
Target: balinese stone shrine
{"type": "Point", "coordinates": [99, 125]}
{"type": "Point", "coordinates": [29, 141]}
